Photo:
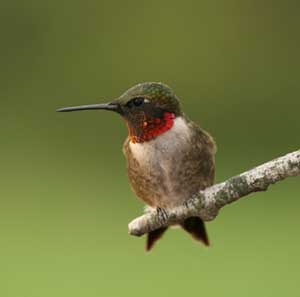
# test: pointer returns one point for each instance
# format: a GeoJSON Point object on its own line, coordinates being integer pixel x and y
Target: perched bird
{"type": "Point", "coordinates": [169, 157]}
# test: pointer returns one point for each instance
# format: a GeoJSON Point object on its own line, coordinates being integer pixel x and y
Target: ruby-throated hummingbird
{"type": "Point", "coordinates": [169, 157]}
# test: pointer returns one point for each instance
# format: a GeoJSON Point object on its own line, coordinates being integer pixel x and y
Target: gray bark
{"type": "Point", "coordinates": [207, 203]}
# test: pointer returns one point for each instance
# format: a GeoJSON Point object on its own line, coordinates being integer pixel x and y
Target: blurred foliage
{"type": "Point", "coordinates": [65, 199]}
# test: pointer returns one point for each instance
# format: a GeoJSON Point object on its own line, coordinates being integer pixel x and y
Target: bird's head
{"type": "Point", "coordinates": [149, 110]}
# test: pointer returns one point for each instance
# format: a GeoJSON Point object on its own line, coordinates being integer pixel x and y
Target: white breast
{"type": "Point", "coordinates": [162, 155]}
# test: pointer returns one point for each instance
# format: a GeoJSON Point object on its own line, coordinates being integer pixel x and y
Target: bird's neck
{"type": "Point", "coordinates": [148, 128]}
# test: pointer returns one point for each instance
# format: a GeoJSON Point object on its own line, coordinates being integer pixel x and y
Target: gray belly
{"type": "Point", "coordinates": [159, 180]}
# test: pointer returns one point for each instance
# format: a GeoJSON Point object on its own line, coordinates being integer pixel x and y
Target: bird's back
{"type": "Point", "coordinates": [168, 170]}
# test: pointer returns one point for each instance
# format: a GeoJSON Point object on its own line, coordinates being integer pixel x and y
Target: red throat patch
{"type": "Point", "coordinates": [150, 128]}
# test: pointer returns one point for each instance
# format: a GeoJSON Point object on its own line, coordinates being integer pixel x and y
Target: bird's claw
{"type": "Point", "coordinates": [162, 213]}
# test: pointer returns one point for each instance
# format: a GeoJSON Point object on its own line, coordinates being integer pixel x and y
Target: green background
{"type": "Point", "coordinates": [65, 199]}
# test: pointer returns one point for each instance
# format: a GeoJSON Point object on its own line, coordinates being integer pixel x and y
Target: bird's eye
{"type": "Point", "coordinates": [138, 101]}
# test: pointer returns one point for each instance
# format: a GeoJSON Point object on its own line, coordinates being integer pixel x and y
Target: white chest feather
{"type": "Point", "coordinates": [163, 147]}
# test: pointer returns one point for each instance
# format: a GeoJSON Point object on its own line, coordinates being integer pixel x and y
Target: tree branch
{"type": "Point", "coordinates": [207, 203]}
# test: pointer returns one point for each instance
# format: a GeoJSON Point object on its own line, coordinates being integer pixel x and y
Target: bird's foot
{"type": "Point", "coordinates": [162, 213]}
{"type": "Point", "coordinates": [186, 204]}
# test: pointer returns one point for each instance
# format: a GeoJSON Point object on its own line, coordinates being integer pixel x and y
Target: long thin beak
{"type": "Point", "coordinates": [105, 106]}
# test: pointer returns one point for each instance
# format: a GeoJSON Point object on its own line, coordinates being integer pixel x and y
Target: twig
{"type": "Point", "coordinates": [207, 203]}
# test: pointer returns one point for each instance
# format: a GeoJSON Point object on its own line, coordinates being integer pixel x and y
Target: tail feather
{"type": "Point", "coordinates": [196, 227]}
{"type": "Point", "coordinates": [153, 236]}
{"type": "Point", "coordinates": [193, 225]}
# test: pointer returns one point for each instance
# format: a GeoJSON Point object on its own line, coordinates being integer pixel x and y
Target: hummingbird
{"type": "Point", "coordinates": [169, 157]}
